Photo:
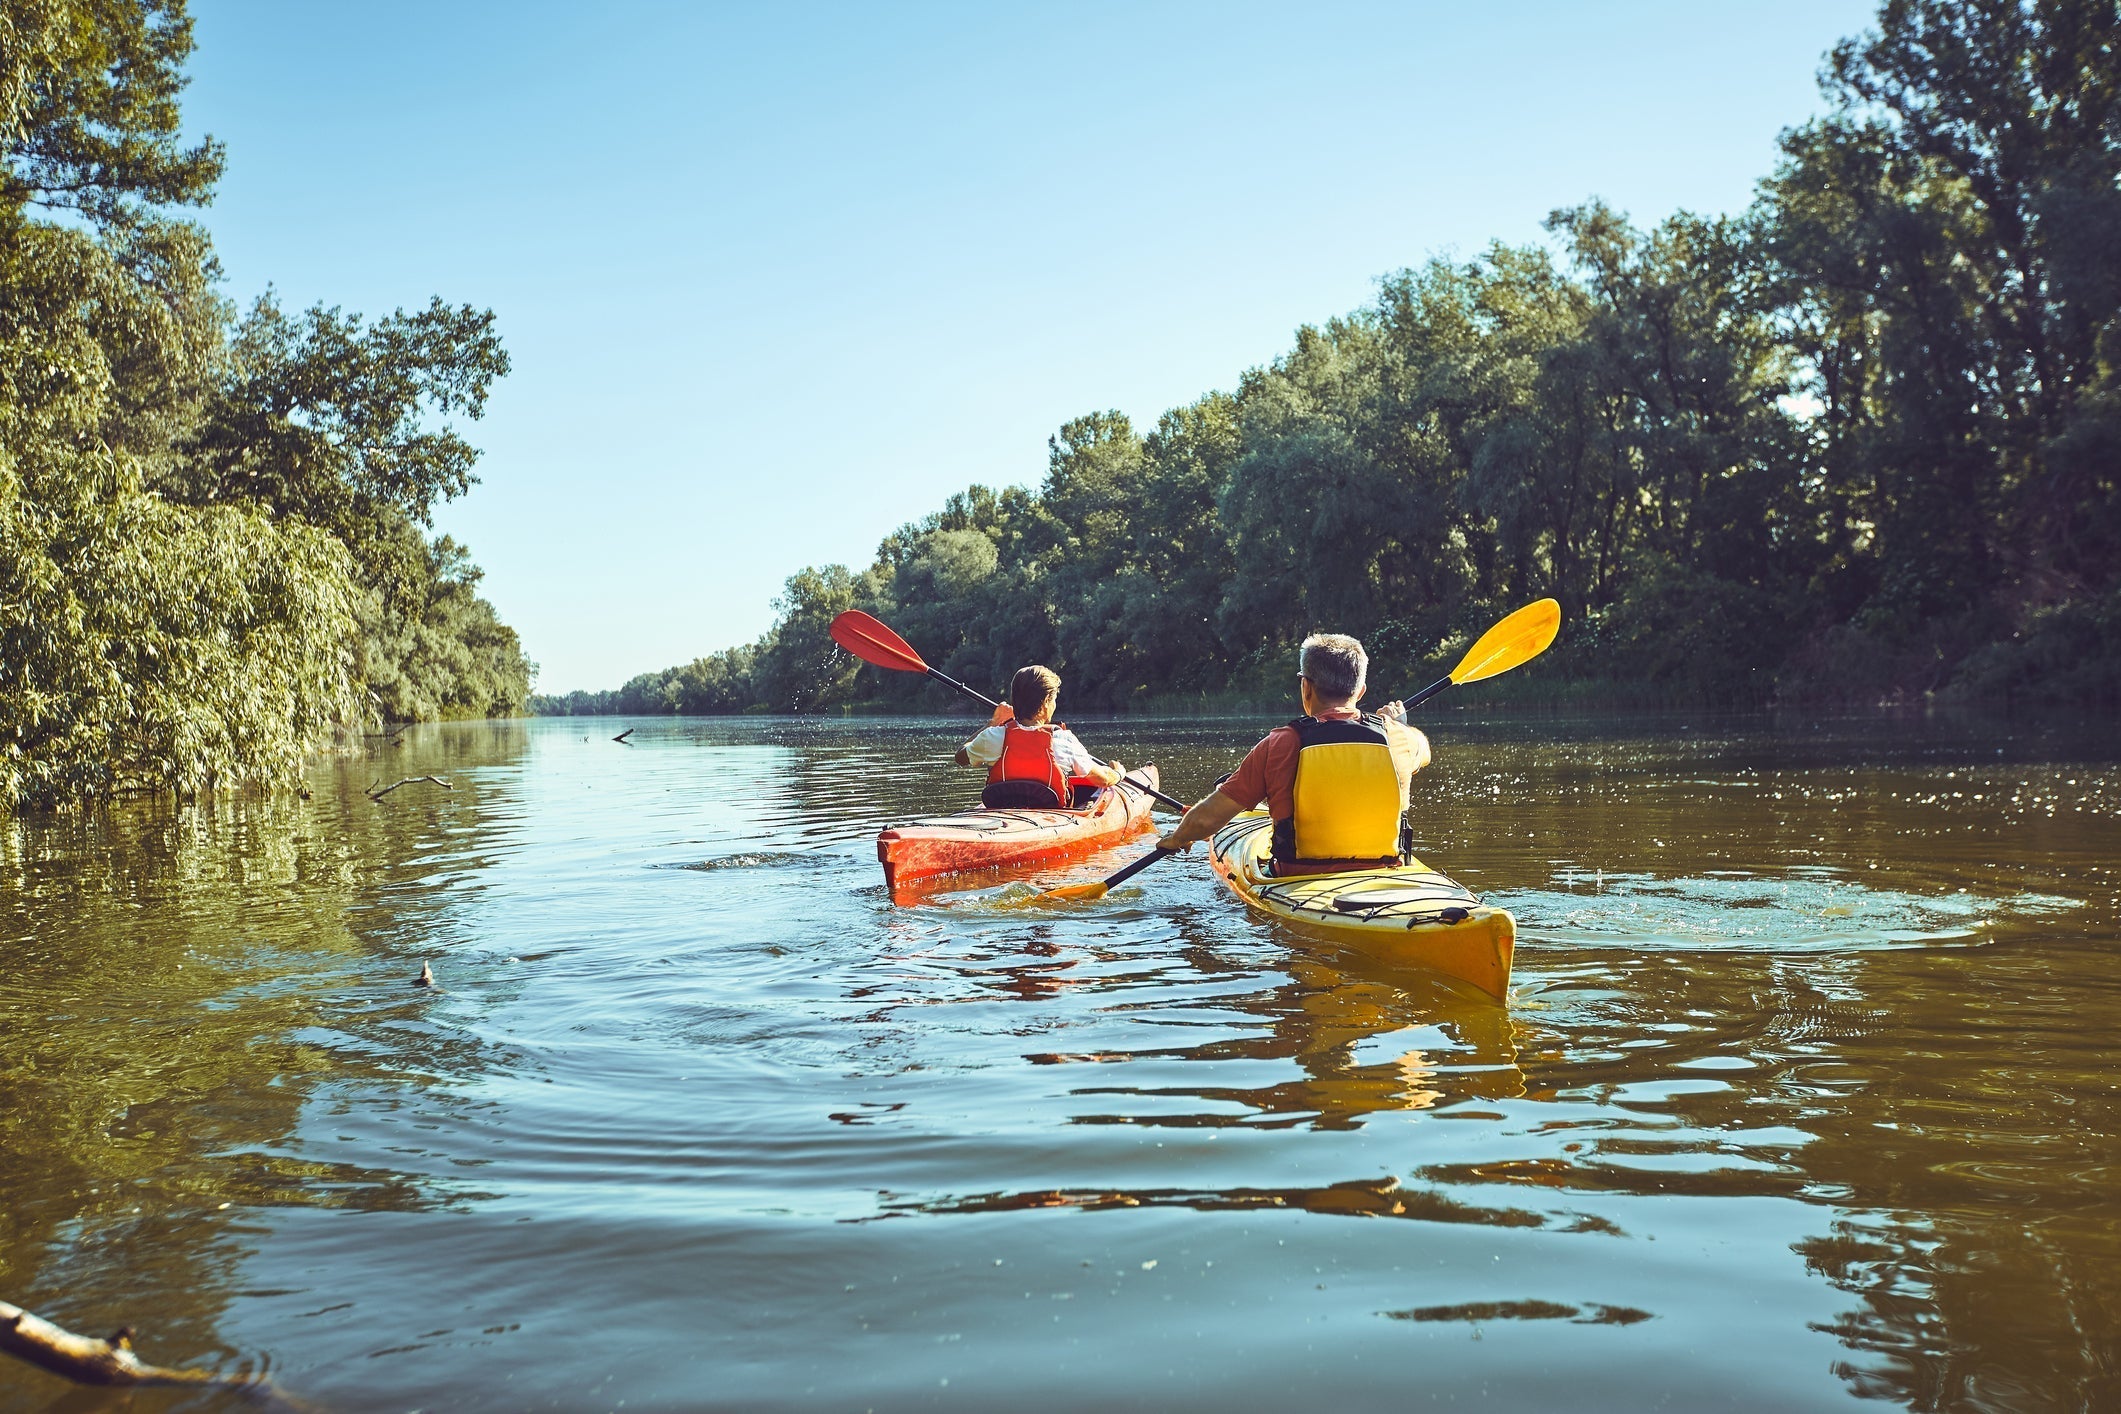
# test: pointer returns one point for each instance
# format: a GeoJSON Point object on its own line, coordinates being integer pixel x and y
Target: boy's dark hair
{"type": "Point", "coordinates": [1032, 690]}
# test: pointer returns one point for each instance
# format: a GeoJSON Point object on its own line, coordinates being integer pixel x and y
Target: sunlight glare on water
{"type": "Point", "coordinates": [1803, 1095]}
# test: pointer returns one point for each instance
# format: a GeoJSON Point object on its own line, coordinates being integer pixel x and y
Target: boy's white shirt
{"type": "Point", "coordinates": [986, 748]}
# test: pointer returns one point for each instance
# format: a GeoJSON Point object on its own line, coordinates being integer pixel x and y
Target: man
{"type": "Point", "coordinates": [1033, 760]}
{"type": "Point", "coordinates": [1335, 779]}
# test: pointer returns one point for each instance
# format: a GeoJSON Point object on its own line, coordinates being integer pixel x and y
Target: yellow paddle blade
{"type": "Point", "coordinates": [1022, 895]}
{"type": "Point", "coordinates": [1518, 639]}
{"type": "Point", "coordinates": [1077, 891]}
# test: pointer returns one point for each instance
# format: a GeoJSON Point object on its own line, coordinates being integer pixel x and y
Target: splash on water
{"type": "Point", "coordinates": [761, 859]}
{"type": "Point", "coordinates": [1737, 911]}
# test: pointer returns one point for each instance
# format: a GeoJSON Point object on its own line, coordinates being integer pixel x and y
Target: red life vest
{"type": "Point", "coordinates": [1027, 755]}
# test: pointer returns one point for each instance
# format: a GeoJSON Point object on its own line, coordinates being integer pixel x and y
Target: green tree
{"type": "Point", "coordinates": [1946, 247]}
{"type": "Point", "coordinates": [89, 111]}
{"type": "Point", "coordinates": [432, 649]}
{"type": "Point", "coordinates": [799, 667]}
{"type": "Point", "coordinates": [1864, 438]}
{"type": "Point", "coordinates": [142, 644]}
{"type": "Point", "coordinates": [321, 418]}
{"type": "Point", "coordinates": [196, 519]}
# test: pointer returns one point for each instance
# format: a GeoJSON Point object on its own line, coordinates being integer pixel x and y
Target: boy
{"type": "Point", "coordinates": [1033, 761]}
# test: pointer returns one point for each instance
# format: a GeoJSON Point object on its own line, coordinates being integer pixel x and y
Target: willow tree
{"type": "Point", "coordinates": [141, 643]}
{"type": "Point", "coordinates": [212, 534]}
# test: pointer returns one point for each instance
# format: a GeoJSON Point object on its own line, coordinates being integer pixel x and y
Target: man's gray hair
{"type": "Point", "coordinates": [1336, 666]}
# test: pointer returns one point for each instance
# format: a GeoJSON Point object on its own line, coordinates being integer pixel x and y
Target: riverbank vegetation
{"type": "Point", "coordinates": [214, 526]}
{"type": "Point", "coordinates": [1860, 442]}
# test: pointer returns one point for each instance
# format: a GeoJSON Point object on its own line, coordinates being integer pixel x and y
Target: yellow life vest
{"type": "Point", "coordinates": [1347, 793]}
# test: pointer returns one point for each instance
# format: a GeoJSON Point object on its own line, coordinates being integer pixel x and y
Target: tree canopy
{"type": "Point", "coordinates": [212, 548]}
{"type": "Point", "coordinates": [1861, 441]}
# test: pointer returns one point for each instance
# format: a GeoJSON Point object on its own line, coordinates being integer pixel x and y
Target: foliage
{"type": "Point", "coordinates": [2068, 653]}
{"type": "Point", "coordinates": [210, 533]}
{"type": "Point", "coordinates": [88, 108]}
{"type": "Point", "coordinates": [1863, 441]}
{"type": "Point", "coordinates": [319, 418]}
{"type": "Point", "coordinates": [141, 644]}
{"type": "Point", "coordinates": [1944, 247]}
{"type": "Point", "coordinates": [718, 684]}
{"type": "Point", "coordinates": [432, 649]}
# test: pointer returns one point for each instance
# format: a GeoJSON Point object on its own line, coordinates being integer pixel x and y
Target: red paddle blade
{"type": "Point", "coordinates": [867, 639]}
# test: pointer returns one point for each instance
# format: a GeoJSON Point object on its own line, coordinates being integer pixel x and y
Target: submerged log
{"type": "Point", "coordinates": [108, 1361]}
{"type": "Point", "coordinates": [374, 794]}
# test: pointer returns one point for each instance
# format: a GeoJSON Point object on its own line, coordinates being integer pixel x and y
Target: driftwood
{"type": "Point", "coordinates": [109, 1361]}
{"type": "Point", "coordinates": [374, 794]}
{"type": "Point", "coordinates": [621, 737]}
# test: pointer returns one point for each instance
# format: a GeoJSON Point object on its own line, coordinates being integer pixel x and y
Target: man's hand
{"type": "Point", "coordinates": [1397, 711]}
{"type": "Point", "coordinates": [1003, 712]}
{"type": "Point", "coordinates": [1207, 815]}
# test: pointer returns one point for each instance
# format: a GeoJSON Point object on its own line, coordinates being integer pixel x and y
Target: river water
{"type": "Point", "coordinates": [1805, 1093]}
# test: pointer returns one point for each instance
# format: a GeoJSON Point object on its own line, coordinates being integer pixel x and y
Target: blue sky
{"type": "Point", "coordinates": [776, 279]}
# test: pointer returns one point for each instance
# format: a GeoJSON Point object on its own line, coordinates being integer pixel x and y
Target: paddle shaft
{"type": "Point", "coordinates": [1161, 853]}
{"type": "Point", "coordinates": [1178, 805]}
{"type": "Point", "coordinates": [961, 687]}
{"type": "Point", "coordinates": [1426, 693]}
{"type": "Point", "coordinates": [1138, 865]}
{"type": "Point", "coordinates": [1528, 642]}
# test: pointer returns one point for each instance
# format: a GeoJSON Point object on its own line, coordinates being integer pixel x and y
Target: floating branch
{"type": "Point", "coordinates": [110, 1361]}
{"type": "Point", "coordinates": [623, 735]}
{"type": "Point", "coordinates": [374, 794]}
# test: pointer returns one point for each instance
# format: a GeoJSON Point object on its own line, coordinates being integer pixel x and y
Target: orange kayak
{"type": "Point", "coordinates": [940, 845]}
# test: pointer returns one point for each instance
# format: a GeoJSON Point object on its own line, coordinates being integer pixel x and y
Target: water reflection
{"type": "Point", "coordinates": [1717, 1078]}
{"type": "Point", "coordinates": [186, 985]}
{"type": "Point", "coordinates": [1808, 1041]}
{"type": "Point", "coordinates": [1348, 1047]}
{"type": "Point", "coordinates": [1356, 1197]}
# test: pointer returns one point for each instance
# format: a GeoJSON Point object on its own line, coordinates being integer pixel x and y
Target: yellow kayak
{"type": "Point", "coordinates": [1405, 915]}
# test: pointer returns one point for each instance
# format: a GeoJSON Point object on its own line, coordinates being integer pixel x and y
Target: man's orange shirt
{"type": "Point", "coordinates": [1269, 770]}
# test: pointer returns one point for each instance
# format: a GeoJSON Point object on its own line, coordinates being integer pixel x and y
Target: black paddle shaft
{"type": "Point", "coordinates": [1426, 693]}
{"type": "Point", "coordinates": [1138, 865]}
{"type": "Point", "coordinates": [1175, 804]}
{"type": "Point", "coordinates": [961, 687]}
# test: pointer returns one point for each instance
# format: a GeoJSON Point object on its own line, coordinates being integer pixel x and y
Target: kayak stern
{"type": "Point", "coordinates": [940, 846]}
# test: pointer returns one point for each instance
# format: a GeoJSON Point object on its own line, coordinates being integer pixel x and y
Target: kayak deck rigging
{"type": "Point", "coordinates": [1403, 914]}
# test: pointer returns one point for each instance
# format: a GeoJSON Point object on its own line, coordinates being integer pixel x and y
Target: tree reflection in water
{"type": "Point", "coordinates": [183, 981]}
